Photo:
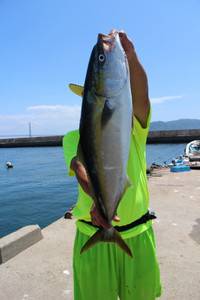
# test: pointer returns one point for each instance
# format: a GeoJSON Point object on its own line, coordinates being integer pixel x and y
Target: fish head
{"type": "Point", "coordinates": [108, 67]}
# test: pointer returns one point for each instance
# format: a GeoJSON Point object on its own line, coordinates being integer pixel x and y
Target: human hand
{"type": "Point", "coordinates": [81, 175]}
{"type": "Point", "coordinates": [85, 183]}
{"type": "Point", "coordinates": [138, 80]}
{"type": "Point", "coordinates": [98, 220]}
{"type": "Point", "coordinates": [127, 44]}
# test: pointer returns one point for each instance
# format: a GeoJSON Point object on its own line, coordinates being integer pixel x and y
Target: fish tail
{"type": "Point", "coordinates": [107, 235]}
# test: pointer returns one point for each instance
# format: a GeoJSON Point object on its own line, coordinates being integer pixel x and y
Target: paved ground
{"type": "Point", "coordinates": [43, 271]}
{"type": "Point", "coordinates": [176, 199]}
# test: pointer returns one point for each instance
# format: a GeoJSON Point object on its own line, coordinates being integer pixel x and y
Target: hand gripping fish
{"type": "Point", "coordinates": [105, 130]}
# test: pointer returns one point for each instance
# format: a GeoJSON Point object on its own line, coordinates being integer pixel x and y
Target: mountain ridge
{"type": "Point", "coordinates": [180, 124]}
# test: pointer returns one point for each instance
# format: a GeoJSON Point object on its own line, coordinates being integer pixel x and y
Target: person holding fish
{"type": "Point", "coordinates": [114, 250]}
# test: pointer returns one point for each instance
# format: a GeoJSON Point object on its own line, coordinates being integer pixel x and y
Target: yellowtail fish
{"type": "Point", "coordinates": [105, 130]}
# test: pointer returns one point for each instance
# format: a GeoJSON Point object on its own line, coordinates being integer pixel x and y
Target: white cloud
{"type": "Point", "coordinates": [54, 108]}
{"type": "Point", "coordinates": [45, 120]}
{"type": "Point", "coordinates": [45, 107]}
{"type": "Point", "coordinates": [163, 99]}
{"type": "Point", "coordinates": [50, 119]}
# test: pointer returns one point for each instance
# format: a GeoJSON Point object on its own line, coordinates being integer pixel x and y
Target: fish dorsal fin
{"type": "Point", "coordinates": [76, 89]}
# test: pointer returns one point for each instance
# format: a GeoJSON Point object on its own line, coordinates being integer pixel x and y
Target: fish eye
{"type": "Point", "coordinates": [101, 57]}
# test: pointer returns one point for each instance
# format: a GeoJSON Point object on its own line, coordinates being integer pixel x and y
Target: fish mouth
{"type": "Point", "coordinates": [107, 42]}
{"type": "Point", "coordinates": [115, 71]}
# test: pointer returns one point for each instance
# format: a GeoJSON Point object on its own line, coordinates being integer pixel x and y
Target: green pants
{"type": "Point", "coordinates": [106, 272]}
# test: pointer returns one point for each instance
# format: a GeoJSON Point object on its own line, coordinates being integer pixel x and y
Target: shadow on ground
{"type": "Point", "coordinates": [195, 233]}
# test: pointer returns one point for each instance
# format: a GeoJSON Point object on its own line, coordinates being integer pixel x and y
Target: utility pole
{"type": "Point", "coordinates": [29, 127]}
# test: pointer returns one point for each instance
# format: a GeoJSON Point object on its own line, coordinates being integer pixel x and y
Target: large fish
{"type": "Point", "coordinates": [105, 129]}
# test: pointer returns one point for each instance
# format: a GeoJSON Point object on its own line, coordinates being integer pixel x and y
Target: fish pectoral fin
{"type": "Point", "coordinates": [110, 235]}
{"type": "Point", "coordinates": [127, 184]}
{"type": "Point", "coordinates": [107, 112]}
{"type": "Point", "coordinates": [76, 89]}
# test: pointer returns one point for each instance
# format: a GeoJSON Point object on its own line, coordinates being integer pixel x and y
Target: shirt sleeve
{"type": "Point", "coordinates": [141, 132]}
{"type": "Point", "coordinates": [70, 144]}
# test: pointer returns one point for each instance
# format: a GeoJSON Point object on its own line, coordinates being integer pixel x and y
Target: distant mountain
{"type": "Point", "coordinates": [176, 125]}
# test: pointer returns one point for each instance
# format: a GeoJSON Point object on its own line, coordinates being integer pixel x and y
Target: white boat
{"type": "Point", "coordinates": [192, 154]}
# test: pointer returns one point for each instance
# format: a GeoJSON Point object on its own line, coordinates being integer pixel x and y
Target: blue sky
{"type": "Point", "coordinates": [46, 44]}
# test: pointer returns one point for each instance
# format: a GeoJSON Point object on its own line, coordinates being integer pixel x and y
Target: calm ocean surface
{"type": "Point", "coordinates": [39, 191]}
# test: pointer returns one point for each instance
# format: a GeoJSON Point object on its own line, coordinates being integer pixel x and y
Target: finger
{"type": "Point", "coordinates": [81, 171]}
{"type": "Point", "coordinates": [113, 31]}
{"type": "Point", "coordinates": [99, 219]}
{"type": "Point", "coordinates": [94, 222]}
{"type": "Point", "coordinates": [122, 35]}
{"type": "Point", "coordinates": [102, 222]}
{"type": "Point", "coordinates": [116, 219]}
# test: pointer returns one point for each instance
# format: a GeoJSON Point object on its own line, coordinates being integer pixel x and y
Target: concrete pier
{"type": "Point", "coordinates": [175, 197]}
{"type": "Point", "coordinates": [173, 136]}
{"type": "Point", "coordinates": [44, 270]}
{"type": "Point", "coordinates": [18, 241]}
{"type": "Point", "coordinates": [41, 141]}
{"type": "Point", "coordinates": [154, 137]}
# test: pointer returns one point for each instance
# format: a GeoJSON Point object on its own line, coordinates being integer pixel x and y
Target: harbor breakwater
{"type": "Point", "coordinates": [173, 136]}
{"type": "Point", "coordinates": [40, 141]}
{"type": "Point", "coordinates": [154, 137]}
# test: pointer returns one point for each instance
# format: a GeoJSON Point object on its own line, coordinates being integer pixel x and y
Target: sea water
{"type": "Point", "coordinates": [38, 189]}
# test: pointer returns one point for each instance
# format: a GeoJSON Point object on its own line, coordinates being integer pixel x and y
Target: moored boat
{"type": "Point", "coordinates": [192, 154]}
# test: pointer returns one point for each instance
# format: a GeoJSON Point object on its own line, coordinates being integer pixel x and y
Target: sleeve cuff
{"type": "Point", "coordinates": [142, 132]}
{"type": "Point", "coordinates": [70, 144]}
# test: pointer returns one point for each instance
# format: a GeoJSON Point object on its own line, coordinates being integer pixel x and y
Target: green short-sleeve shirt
{"type": "Point", "coordinates": [135, 201]}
